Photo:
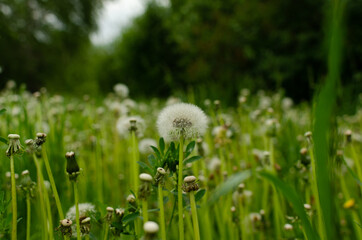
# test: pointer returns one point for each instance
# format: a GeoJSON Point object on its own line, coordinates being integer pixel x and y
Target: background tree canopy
{"type": "Point", "coordinates": [213, 48]}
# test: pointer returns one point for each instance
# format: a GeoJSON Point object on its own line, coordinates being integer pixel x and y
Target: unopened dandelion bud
{"type": "Point", "coordinates": [72, 169]}
{"type": "Point", "coordinates": [119, 212]}
{"type": "Point", "coordinates": [151, 230]}
{"type": "Point", "coordinates": [26, 184]}
{"type": "Point", "coordinates": [217, 105]}
{"type": "Point", "coordinates": [65, 227]}
{"type": "Point", "coordinates": [132, 201]}
{"type": "Point", "coordinates": [308, 135]}
{"type": "Point", "coordinates": [160, 174]}
{"type": "Point", "coordinates": [304, 158]}
{"type": "Point", "coordinates": [133, 126]}
{"type": "Point", "coordinates": [348, 135]}
{"type": "Point", "coordinates": [241, 187]}
{"type": "Point", "coordinates": [288, 227]}
{"type": "Point", "coordinates": [307, 206]}
{"type": "Point", "coordinates": [109, 214]}
{"type": "Point", "coordinates": [14, 145]}
{"type": "Point", "coordinates": [85, 225]}
{"type": "Point", "coordinates": [145, 177]}
{"type": "Point", "coordinates": [145, 187]}
{"type": "Point", "coordinates": [190, 184]}
{"type": "Point", "coordinates": [40, 139]}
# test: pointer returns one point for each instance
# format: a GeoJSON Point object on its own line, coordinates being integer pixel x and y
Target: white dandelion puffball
{"type": "Point", "coordinates": [181, 119]}
{"type": "Point", "coordinates": [121, 90]}
{"type": "Point", "coordinates": [85, 210]}
{"type": "Point", "coordinates": [145, 145]}
{"type": "Point", "coordinates": [124, 125]}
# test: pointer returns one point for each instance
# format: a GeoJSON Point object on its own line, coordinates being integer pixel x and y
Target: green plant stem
{"type": "Point", "coordinates": [316, 195]}
{"type": "Point", "coordinates": [28, 216]}
{"type": "Point", "coordinates": [135, 171]}
{"type": "Point", "coordinates": [162, 212]}
{"type": "Point", "coordinates": [106, 232]}
{"type": "Point", "coordinates": [145, 210]}
{"type": "Point", "coordinates": [194, 216]}
{"type": "Point", "coordinates": [13, 199]}
{"type": "Point", "coordinates": [76, 202]}
{"type": "Point", "coordinates": [41, 196]}
{"type": "Point", "coordinates": [52, 184]}
{"type": "Point", "coordinates": [49, 211]}
{"type": "Point", "coordinates": [179, 191]}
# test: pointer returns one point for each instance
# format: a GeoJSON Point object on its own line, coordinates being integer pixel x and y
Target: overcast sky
{"type": "Point", "coordinates": [115, 15]}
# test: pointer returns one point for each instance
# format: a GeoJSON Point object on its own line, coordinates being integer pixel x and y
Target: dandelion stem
{"type": "Point", "coordinates": [13, 199]}
{"type": "Point", "coordinates": [41, 196]}
{"type": "Point", "coordinates": [179, 190]}
{"type": "Point", "coordinates": [28, 216]}
{"type": "Point", "coordinates": [162, 212]}
{"type": "Point", "coordinates": [134, 160]}
{"type": "Point", "coordinates": [106, 232]}
{"type": "Point", "coordinates": [76, 200]}
{"type": "Point", "coordinates": [52, 183]}
{"type": "Point", "coordinates": [145, 210]}
{"type": "Point", "coordinates": [194, 216]}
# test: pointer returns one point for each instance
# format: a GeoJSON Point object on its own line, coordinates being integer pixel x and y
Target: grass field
{"type": "Point", "coordinates": [256, 169]}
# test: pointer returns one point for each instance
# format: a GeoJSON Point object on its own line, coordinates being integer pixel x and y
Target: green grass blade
{"type": "Point", "coordinates": [229, 185]}
{"type": "Point", "coordinates": [291, 195]}
{"type": "Point", "coordinates": [323, 115]}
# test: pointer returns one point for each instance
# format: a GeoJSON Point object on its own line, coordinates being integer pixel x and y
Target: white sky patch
{"type": "Point", "coordinates": [114, 17]}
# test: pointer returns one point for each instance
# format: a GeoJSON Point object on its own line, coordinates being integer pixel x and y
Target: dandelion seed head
{"type": "Point", "coordinates": [85, 210]}
{"type": "Point", "coordinates": [124, 125]}
{"type": "Point", "coordinates": [121, 90]}
{"type": "Point", "coordinates": [181, 119]}
{"type": "Point", "coordinates": [145, 145]}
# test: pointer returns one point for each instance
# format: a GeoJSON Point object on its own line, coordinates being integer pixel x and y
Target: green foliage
{"type": "Point", "coordinates": [5, 219]}
{"type": "Point", "coordinates": [291, 195]}
{"type": "Point", "coordinates": [47, 43]}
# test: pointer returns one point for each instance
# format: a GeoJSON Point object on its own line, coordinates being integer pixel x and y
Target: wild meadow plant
{"type": "Point", "coordinates": [215, 173]}
{"type": "Point", "coordinates": [265, 169]}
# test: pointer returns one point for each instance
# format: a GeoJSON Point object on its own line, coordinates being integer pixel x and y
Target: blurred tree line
{"type": "Point", "coordinates": [210, 48]}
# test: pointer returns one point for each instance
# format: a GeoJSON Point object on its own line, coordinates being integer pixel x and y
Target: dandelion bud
{"type": "Point", "coordinates": [145, 177]}
{"type": "Point", "coordinates": [14, 145]}
{"type": "Point", "coordinates": [119, 212]}
{"type": "Point", "coordinates": [109, 214]}
{"type": "Point", "coordinates": [65, 227]}
{"type": "Point", "coordinates": [190, 184]}
{"type": "Point", "coordinates": [151, 229]}
{"type": "Point", "coordinates": [160, 174]}
{"type": "Point", "coordinates": [241, 187]}
{"type": "Point", "coordinates": [348, 135]}
{"type": "Point", "coordinates": [72, 169]}
{"type": "Point", "coordinates": [40, 139]}
{"type": "Point", "coordinates": [133, 125]}
{"type": "Point", "coordinates": [308, 135]}
{"type": "Point", "coordinates": [85, 225]}
{"type": "Point", "coordinates": [307, 206]}
{"type": "Point", "coordinates": [217, 105]}
{"type": "Point", "coordinates": [288, 227]}
{"type": "Point", "coordinates": [26, 184]}
{"type": "Point", "coordinates": [145, 187]}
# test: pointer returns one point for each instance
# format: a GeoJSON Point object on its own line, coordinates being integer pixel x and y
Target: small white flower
{"type": "Point", "coordinates": [121, 90]}
{"type": "Point", "coordinates": [145, 145]}
{"type": "Point", "coordinates": [124, 125]}
{"type": "Point", "coordinates": [181, 119]}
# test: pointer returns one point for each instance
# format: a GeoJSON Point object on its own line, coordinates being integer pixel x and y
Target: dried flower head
{"type": "Point", "coordinates": [14, 145]}
{"type": "Point", "coordinates": [126, 124]}
{"type": "Point", "coordinates": [181, 119]}
{"type": "Point", "coordinates": [85, 210]}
